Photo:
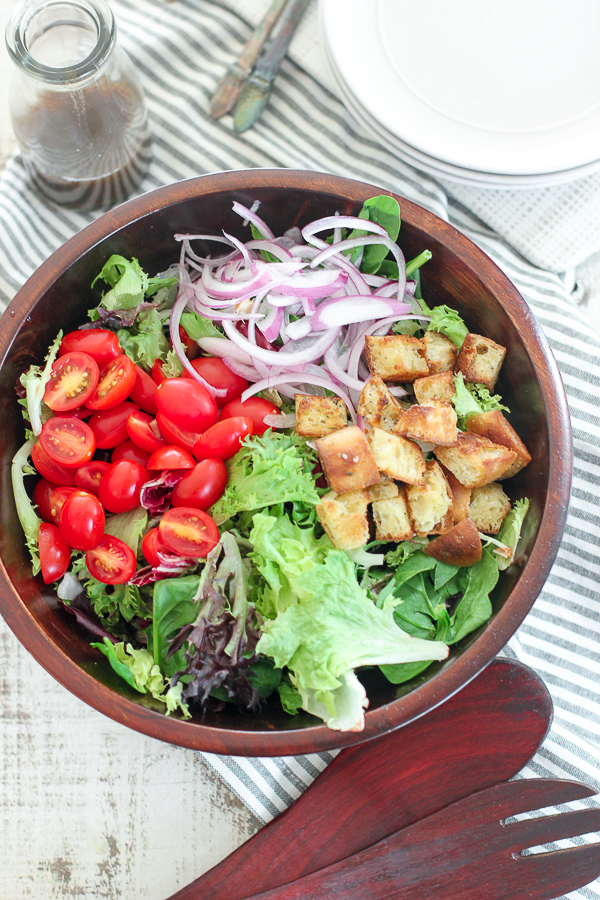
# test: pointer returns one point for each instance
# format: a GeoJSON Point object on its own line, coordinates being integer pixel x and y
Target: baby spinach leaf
{"type": "Point", "coordinates": [475, 607]}
{"type": "Point", "coordinates": [175, 606]}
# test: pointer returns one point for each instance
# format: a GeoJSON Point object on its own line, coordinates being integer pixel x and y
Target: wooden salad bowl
{"type": "Point", "coordinates": [58, 295]}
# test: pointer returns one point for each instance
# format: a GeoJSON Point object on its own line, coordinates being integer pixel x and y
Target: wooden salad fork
{"type": "Point", "coordinates": [468, 851]}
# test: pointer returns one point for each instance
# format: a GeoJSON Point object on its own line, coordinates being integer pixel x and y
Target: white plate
{"type": "Point", "coordinates": [510, 88]}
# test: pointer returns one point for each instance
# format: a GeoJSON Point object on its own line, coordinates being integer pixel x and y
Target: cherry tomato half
{"type": "Point", "coordinates": [217, 372]}
{"type": "Point", "coordinates": [68, 441]}
{"type": "Point", "coordinates": [189, 344]}
{"type": "Point", "coordinates": [41, 497]}
{"type": "Point", "coordinates": [72, 382]}
{"type": "Point", "coordinates": [99, 343]}
{"type": "Point", "coordinates": [57, 474]}
{"type": "Point", "coordinates": [151, 544]}
{"type": "Point", "coordinates": [171, 457]}
{"type": "Point", "coordinates": [129, 450]}
{"type": "Point", "coordinates": [55, 555]}
{"type": "Point", "coordinates": [87, 478]}
{"type": "Point", "coordinates": [187, 404]}
{"type": "Point", "coordinates": [157, 371]}
{"type": "Point", "coordinates": [143, 431]}
{"type": "Point", "coordinates": [114, 385]}
{"type": "Point", "coordinates": [175, 435]}
{"type": "Point", "coordinates": [110, 425]}
{"type": "Point", "coordinates": [57, 501]}
{"type": "Point", "coordinates": [143, 391]}
{"type": "Point", "coordinates": [202, 486]}
{"type": "Point", "coordinates": [81, 520]}
{"type": "Point", "coordinates": [256, 408]}
{"type": "Point", "coordinates": [120, 487]}
{"type": "Point", "coordinates": [188, 532]}
{"type": "Point", "coordinates": [223, 439]}
{"type": "Point", "coordinates": [111, 561]}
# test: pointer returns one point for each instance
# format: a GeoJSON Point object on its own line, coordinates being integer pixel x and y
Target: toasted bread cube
{"type": "Point", "coordinates": [496, 428]}
{"type": "Point", "coordinates": [396, 357]}
{"type": "Point", "coordinates": [480, 360]}
{"type": "Point", "coordinates": [475, 460]}
{"type": "Point", "coordinates": [489, 507]}
{"type": "Point", "coordinates": [344, 518]}
{"type": "Point", "coordinates": [440, 352]}
{"type": "Point", "coordinates": [461, 497]}
{"type": "Point", "coordinates": [392, 521]}
{"type": "Point", "coordinates": [377, 406]}
{"type": "Point", "coordinates": [435, 387]}
{"type": "Point", "coordinates": [461, 546]}
{"type": "Point", "coordinates": [318, 416]}
{"type": "Point", "coordinates": [347, 460]}
{"type": "Point", "coordinates": [430, 504]}
{"type": "Point", "coordinates": [397, 457]}
{"type": "Point", "coordinates": [434, 423]}
{"type": "Point", "coordinates": [384, 490]}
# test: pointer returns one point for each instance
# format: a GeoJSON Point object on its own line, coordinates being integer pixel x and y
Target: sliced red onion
{"type": "Point", "coordinates": [241, 247]}
{"type": "Point", "coordinates": [350, 244]}
{"type": "Point", "coordinates": [271, 324]}
{"type": "Point", "coordinates": [281, 380]}
{"type": "Point", "coordinates": [207, 261]}
{"type": "Point", "coordinates": [238, 368]}
{"type": "Point", "coordinates": [271, 247]}
{"type": "Point", "coordinates": [224, 348]}
{"type": "Point", "coordinates": [313, 285]}
{"type": "Point", "coordinates": [249, 215]}
{"type": "Point", "coordinates": [333, 222]}
{"type": "Point", "coordinates": [299, 329]}
{"type": "Point", "coordinates": [178, 308]}
{"type": "Point", "coordinates": [336, 371]}
{"type": "Point", "coordinates": [284, 357]}
{"type": "Point", "coordinates": [355, 308]}
{"type": "Point", "coordinates": [397, 391]}
{"type": "Point", "coordinates": [280, 420]}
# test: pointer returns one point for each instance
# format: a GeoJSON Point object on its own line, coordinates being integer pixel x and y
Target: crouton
{"type": "Point", "coordinates": [461, 546]}
{"type": "Point", "coordinates": [433, 423]}
{"type": "Point", "coordinates": [384, 490]}
{"type": "Point", "coordinates": [461, 497]}
{"type": "Point", "coordinates": [377, 406]}
{"type": "Point", "coordinates": [440, 352]}
{"type": "Point", "coordinates": [480, 360]}
{"type": "Point", "coordinates": [344, 518]}
{"type": "Point", "coordinates": [347, 460]}
{"type": "Point", "coordinates": [397, 457]}
{"type": "Point", "coordinates": [318, 416]}
{"type": "Point", "coordinates": [496, 428]}
{"type": "Point", "coordinates": [475, 460]}
{"type": "Point", "coordinates": [396, 357]}
{"type": "Point", "coordinates": [489, 507]}
{"type": "Point", "coordinates": [392, 521]}
{"type": "Point", "coordinates": [430, 504]}
{"type": "Point", "coordinates": [435, 387]}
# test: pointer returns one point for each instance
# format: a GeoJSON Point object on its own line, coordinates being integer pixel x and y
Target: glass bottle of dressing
{"type": "Point", "coordinates": [76, 103]}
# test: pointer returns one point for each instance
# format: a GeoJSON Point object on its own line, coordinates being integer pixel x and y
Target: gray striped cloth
{"type": "Point", "coordinates": [181, 49]}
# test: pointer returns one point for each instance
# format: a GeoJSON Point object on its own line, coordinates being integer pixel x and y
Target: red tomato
{"type": "Point", "coordinates": [110, 425]}
{"type": "Point", "coordinates": [68, 441]}
{"type": "Point", "coordinates": [255, 408]}
{"type": "Point", "coordinates": [187, 404]}
{"type": "Point", "coordinates": [189, 344]}
{"type": "Point", "coordinates": [157, 371]}
{"type": "Point", "coordinates": [175, 435]}
{"type": "Point", "coordinates": [99, 343]}
{"type": "Point", "coordinates": [143, 431]}
{"type": "Point", "coordinates": [188, 532]}
{"type": "Point", "coordinates": [55, 555]}
{"type": "Point", "coordinates": [81, 520]}
{"type": "Point", "coordinates": [111, 561]}
{"type": "Point", "coordinates": [120, 487]}
{"type": "Point", "coordinates": [223, 439]}
{"type": "Point", "coordinates": [143, 391]}
{"type": "Point", "coordinates": [114, 385]}
{"type": "Point", "coordinates": [50, 470]}
{"type": "Point", "coordinates": [151, 544]}
{"type": "Point", "coordinates": [87, 478]}
{"type": "Point", "coordinates": [129, 450]}
{"type": "Point", "coordinates": [202, 486]}
{"type": "Point", "coordinates": [217, 372]}
{"type": "Point", "coordinates": [72, 382]}
{"type": "Point", "coordinates": [57, 501]}
{"type": "Point", "coordinates": [171, 457]}
{"type": "Point", "coordinates": [41, 497]}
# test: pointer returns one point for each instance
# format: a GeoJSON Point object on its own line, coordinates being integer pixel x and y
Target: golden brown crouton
{"type": "Point", "coordinates": [489, 507]}
{"type": "Point", "coordinates": [480, 360]}
{"type": "Point", "coordinates": [433, 423]}
{"type": "Point", "coordinates": [392, 521]}
{"type": "Point", "coordinates": [440, 352]}
{"type": "Point", "coordinates": [347, 460]}
{"type": "Point", "coordinates": [377, 406]}
{"type": "Point", "coordinates": [344, 518]}
{"type": "Point", "coordinates": [396, 357]}
{"type": "Point", "coordinates": [474, 460]}
{"type": "Point", "coordinates": [461, 546]}
{"type": "Point", "coordinates": [461, 497]}
{"type": "Point", "coordinates": [435, 387]}
{"type": "Point", "coordinates": [397, 457]}
{"type": "Point", "coordinates": [430, 504]}
{"type": "Point", "coordinates": [318, 416]}
{"type": "Point", "coordinates": [496, 428]}
{"type": "Point", "coordinates": [384, 490]}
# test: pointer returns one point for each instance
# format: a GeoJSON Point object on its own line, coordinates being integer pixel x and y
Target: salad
{"type": "Point", "coordinates": [272, 467]}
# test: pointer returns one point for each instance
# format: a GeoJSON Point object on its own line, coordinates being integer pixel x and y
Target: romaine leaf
{"type": "Point", "coordinates": [198, 326]}
{"type": "Point", "coordinates": [30, 523]}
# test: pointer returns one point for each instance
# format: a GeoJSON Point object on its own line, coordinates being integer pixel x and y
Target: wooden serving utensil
{"type": "Point", "coordinates": [481, 736]}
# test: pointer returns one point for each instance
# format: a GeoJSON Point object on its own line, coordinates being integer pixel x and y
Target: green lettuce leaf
{"type": "Point", "coordinates": [127, 281]}
{"type": "Point", "coordinates": [448, 322]}
{"type": "Point", "coordinates": [198, 326]}
{"type": "Point", "coordinates": [474, 607]}
{"type": "Point", "coordinates": [175, 605]}
{"type": "Point", "coordinates": [473, 399]}
{"type": "Point", "coordinates": [30, 523]}
{"type": "Point", "coordinates": [34, 380]}
{"type": "Point", "coordinates": [384, 211]}
{"type": "Point", "coordinates": [145, 341]}
{"type": "Point", "coordinates": [128, 527]}
{"type": "Point", "coordinates": [510, 531]}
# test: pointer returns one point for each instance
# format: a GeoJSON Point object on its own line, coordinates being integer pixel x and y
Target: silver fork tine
{"type": "Point", "coordinates": [553, 874]}
{"type": "Point", "coordinates": [545, 829]}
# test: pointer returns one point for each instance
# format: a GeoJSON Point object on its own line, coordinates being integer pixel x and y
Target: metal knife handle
{"type": "Point", "coordinates": [273, 55]}
{"type": "Point", "coordinates": [252, 49]}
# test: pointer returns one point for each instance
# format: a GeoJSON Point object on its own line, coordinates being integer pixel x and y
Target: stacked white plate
{"type": "Point", "coordinates": [487, 93]}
